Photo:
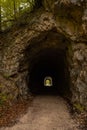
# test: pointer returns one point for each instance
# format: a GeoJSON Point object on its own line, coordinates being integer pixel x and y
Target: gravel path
{"type": "Point", "coordinates": [46, 113]}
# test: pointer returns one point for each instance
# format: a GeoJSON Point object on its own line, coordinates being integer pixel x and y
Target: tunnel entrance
{"type": "Point", "coordinates": [50, 62]}
{"type": "Point", "coordinates": [48, 56]}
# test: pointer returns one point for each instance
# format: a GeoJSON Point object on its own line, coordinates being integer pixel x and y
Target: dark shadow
{"type": "Point", "coordinates": [50, 62]}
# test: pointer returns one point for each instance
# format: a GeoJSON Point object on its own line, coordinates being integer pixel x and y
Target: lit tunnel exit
{"type": "Point", "coordinates": [48, 81]}
{"type": "Point", "coordinates": [49, 66]}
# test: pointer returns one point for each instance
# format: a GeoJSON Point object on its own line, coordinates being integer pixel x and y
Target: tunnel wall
{"type": "Point", "coordinates": [78, 74]}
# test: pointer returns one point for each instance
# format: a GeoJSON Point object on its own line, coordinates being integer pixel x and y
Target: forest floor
{"type": "Point", "coordinates": [44, 112]}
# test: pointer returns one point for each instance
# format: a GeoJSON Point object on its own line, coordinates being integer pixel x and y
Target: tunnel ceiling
{"type": "Point", "coordinates": [49, 56]}
{"type": "Point", "coordinates": [53, 46]}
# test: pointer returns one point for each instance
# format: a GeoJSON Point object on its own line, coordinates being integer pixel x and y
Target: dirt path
{"type": "Point", "coordinates": [46, 113]}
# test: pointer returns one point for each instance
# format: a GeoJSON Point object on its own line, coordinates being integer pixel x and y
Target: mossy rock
{"type": "Point", "coordinates": [3, 98]}
{"type": "Point", "coordinates": [78, 107]}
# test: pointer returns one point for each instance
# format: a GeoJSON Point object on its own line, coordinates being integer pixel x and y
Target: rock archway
{"type": "Point", "coordinates": [33, 45]}
{"type": "Point", "coordinates": [48, 58]}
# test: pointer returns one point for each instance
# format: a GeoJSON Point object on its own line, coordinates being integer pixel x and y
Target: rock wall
{"type": "Point", "coordinates": [78, 73]}
{"type": "Point", "coordinates": [69, 19]}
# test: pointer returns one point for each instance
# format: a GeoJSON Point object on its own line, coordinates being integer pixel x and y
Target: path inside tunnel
{"type": "Point", "coordinates": [47, 112]}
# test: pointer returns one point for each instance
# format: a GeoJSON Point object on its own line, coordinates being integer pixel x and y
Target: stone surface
{"type": "Point", "coordinates": [17, 47]}
{"type": "Point", "coordinates": [79, 72]}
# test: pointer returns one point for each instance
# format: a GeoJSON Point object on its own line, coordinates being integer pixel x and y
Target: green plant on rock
{"type": "Point", "coordinates": [79, 107]}
{"type": "Point", "coordinates": [6, 76]}
{"type": "Point", "coordinates": [3, 98]}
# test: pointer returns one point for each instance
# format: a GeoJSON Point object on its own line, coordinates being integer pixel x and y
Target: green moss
{"type": "Point", "coordinates": [1, 86]}
{"type": "Point", "coordinates": [70, 49]}
{"type": "Point", "coordinates": [79, 107]}
{"type": "Point", "coordinates": [69, 54]}
{"type": "Point", "coordinates": [6, 76]}
{"type": "Point", "coordinates": [3, 98]}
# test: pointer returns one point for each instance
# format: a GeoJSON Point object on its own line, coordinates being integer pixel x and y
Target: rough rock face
{"type": "Point", "coordinates": [79, 73]}
{"type": "Point", "coordinates": [68, 18]}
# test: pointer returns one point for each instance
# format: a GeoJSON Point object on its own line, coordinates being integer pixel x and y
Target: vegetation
{"type": "Point", "coordinates": [10, 10]}
{"type": "Point", "coordinates": [3, 99]}
{"type": "Point", "coordinates": [79, 107]}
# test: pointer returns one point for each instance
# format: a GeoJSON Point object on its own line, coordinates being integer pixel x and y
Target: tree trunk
{"type": "Point", "coordinates": [15, 10]}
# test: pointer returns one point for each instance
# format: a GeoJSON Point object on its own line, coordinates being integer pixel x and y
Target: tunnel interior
{"type": "Point", "coordinates": [53, 63]}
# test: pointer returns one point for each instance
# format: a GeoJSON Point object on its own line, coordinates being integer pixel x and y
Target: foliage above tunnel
{"type": "Point", "coordinates": [10, 10]}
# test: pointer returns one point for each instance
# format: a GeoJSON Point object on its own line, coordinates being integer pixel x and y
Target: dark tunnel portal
{"type": "Point", "coordinates": [49, 63]}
